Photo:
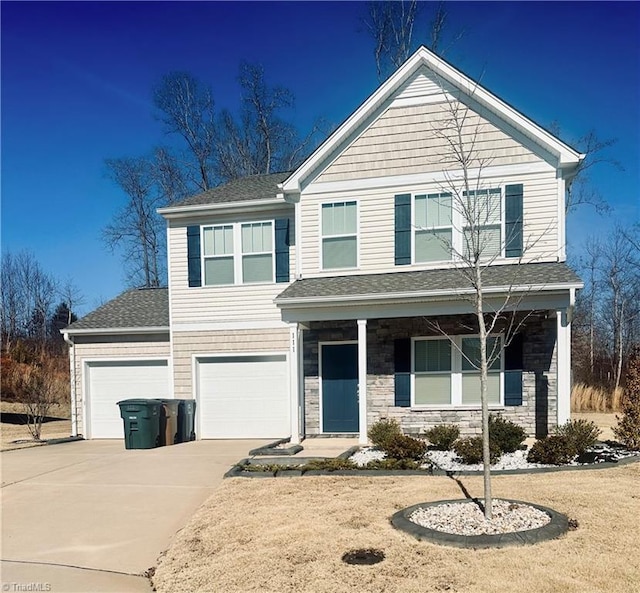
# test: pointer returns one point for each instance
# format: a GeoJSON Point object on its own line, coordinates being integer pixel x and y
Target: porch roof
{"type": "Point", "coordinates": [441, 284]}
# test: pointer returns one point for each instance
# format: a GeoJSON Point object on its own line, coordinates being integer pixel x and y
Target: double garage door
{"type": "Point", "coordinates": [243, 397]}
{"type": "Point", "coordinates": [237, 396]}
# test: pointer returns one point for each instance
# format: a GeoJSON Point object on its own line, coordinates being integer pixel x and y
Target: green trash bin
{"type": "Point", "coordinates": [186, 421]}
{"type": "Point", "coordinates": [169, 421]}
{"type": "Point", "coordinates": [141, 419]}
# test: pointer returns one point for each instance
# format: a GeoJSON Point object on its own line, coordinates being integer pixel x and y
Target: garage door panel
{"type": "Point", "coordinates": [244, 397]}
{"type": "Point", "coordinates": [110, 382]}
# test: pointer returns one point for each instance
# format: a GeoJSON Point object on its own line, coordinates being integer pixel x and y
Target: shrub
{"type": "Point", "coordinates": [382, 430]}
{"type": "Point", "coordinates": [552, 450]}
{"type": "Point", "coordinates": [581, 434]}
{"type": "Point", "coordinates": [506, 435]}
{"type": "Point", "coordinates": [469, 450]}
{"type": "Point", "coordinates": [393, 464]}
{"type": "Point", "coordinates": [400, 446]}
{"type": "Point", "coordinates": [628, 428]}
{"type": "Point", "coordinates": [333, 464]}
{"type": "Point", "coordinates": [443, 436]}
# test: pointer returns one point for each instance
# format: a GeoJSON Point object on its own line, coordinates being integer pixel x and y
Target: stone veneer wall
{"type": "Point", "coordinates": [537, 414]}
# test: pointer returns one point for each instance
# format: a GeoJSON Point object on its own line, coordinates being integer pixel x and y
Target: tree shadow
{"type": "Point", "coordinates": [19, 419]}
{"type": "Point", "coordinates": [466, 493]}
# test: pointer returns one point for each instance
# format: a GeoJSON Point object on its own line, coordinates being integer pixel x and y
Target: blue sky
{"type": "Point", "coordinates": [77, 78]}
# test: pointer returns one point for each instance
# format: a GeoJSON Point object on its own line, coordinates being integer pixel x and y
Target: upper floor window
{"type": "Point", "coordinates": [339, 222]}
{"type": "Point", "coordinates": [433, 227]}
{"type": "Point", "coordinates": [218, 250]}
{"type": "Point", "coordinates": [482, 224]}
{"type": "Point", "coordinates": [238, 253]}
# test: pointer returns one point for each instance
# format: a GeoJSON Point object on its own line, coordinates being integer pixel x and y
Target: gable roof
{"type": "Point", "coordinates": [567, 156]}
{"type": "Point", "coordinates": [140, 310]}
{"type": "Point", "coordinates": [424, 283]}
{"type": "Point", "coordinates": [255, 188]}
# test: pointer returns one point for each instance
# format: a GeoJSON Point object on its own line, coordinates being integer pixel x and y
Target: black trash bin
{"type": "Point", "coordinates": [169, 421]}
{"type": "Point", "coordinates": [186, 421]}
{"type": "Point", "coordinates": [141, 419]}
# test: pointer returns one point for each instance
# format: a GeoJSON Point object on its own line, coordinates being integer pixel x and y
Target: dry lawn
{"type": "Point", "coordinates": [288, 535]}
{"type": "Point", "coordinates": [13, 431]}
{"type": "Point", "coordinates": [605, 422]}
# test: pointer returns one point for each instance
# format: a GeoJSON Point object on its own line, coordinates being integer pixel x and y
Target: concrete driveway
{"type": "Point", "coordinates": [92, 516]}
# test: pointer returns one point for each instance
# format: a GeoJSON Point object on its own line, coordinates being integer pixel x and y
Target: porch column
{"type": "Point", "coordinates": [362, 380]}
{"type": "Point", "coordinates": [564, 365]}
{"type": "Point", "coordinates": [294, 381]}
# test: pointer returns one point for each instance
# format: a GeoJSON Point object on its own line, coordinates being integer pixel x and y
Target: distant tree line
{"type": "Point", "coordinates": [607, 315]}
{"type": "Point", "coordinates": [34, 305]}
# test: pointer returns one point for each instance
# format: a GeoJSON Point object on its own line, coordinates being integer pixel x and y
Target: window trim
{"type": "Point", "coordinates": [321, 236]}
{"type": "Point", "coordinates": [456, 373]}
{"type": "Point", "coordinates": [457, 225]}
{"type": "Point", "coordinates": [237, 255]}
{"type": "Point", "coordinates": [415, 229]}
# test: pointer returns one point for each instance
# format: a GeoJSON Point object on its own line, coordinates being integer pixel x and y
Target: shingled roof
{"type": "Point", "coordinates": [255, 187]}
{"type": "Point", "coordinates": [447, 281]}
{"type": "Point", "coordinates": [138, 308]}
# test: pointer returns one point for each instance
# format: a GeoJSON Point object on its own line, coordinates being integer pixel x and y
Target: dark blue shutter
{"type": "Point", "coordinates": [193, 256]}
{"type": "Point", "coordinates": [513, 220]}
{"type": "Point", "coordinates": [403, 229]}
{"type": "Point", "coordinates": [402, 372]}
{"type": "Point", "coordinates": [513, 365]}
{"type": "Point", "coordinates": [282, 250]}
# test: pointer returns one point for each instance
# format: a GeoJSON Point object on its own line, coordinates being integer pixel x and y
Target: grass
{"type": "Point", "coordinates": [288, 535]}
{"type": "Point", "coordinates": [585, 398]}
{"type": "Point", "coordinates": [13, 429]}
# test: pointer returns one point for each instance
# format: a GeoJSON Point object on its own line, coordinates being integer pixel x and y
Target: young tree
{"type": "Point", "coordinates": [628, 426]}
{"type": "Point", "coordinates": [474, 212]}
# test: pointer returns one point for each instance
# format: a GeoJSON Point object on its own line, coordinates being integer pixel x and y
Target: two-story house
{"type": "Point", "coordinates": [317, 301]}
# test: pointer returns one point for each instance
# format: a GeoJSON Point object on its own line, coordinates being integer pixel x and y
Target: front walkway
{"type": "Point", "coordinates": [90, 515]}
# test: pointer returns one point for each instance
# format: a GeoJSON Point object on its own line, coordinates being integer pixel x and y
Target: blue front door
{"type": "Point", "coordinates": [340, 388]}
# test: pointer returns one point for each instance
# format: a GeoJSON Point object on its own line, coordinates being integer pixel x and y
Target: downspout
{"type": "Point", "coordinates": [72, 368]}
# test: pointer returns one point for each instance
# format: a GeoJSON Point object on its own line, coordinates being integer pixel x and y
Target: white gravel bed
{"type": "Point", "coordinates": [449, 461]}
{"type": "Point", "coordinates": [466, 518]}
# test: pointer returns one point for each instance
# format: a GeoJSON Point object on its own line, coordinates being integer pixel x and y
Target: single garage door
{"type": "Point", "coordinates": [243, 397]}
{"type": "Point", "coordinates": [110, 382]}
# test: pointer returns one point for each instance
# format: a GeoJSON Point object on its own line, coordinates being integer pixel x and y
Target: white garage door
{"type": "Point", "coordinates": [110, 382]}
{"type": "Point", "coordinates": [243, 397]}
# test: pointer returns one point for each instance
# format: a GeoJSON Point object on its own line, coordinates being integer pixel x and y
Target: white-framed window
{"type": "Point", "coordinates": [433, 227]}
{"type": "Point", "coordinates": [238, 253]}
{"type": "Point", "coordinates": [339, 235]}
{"type": "Point", "coordinates": [484, 236]}
{"type": "Point", "coordinates": [217, 251]}
{"type": "Point", "coordinates": [257, 252]}
{"type": "Point", "coordinates": [445, 371]}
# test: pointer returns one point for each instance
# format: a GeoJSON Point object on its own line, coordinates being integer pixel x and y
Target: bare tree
{"type": "Point", "coordinates": [27, 295]}
{"type": "Point", "coordinates": [186, 107]}
{"type": "Point", "coordinates": [137, 228]}
{"type": "Point", "coordinates": [398, 27]}
{"type": "Point", "coordinates": [474, 205]}
{"type": "Point", "coordinates": [260, 141]}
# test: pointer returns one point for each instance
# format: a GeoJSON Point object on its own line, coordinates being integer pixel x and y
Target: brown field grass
{"type": "Point", "coordinates": [585, 398]}
{"type": "Point", "coordinates": [59, 426]}
{"type": "Point", "coordinates": [288, 535]}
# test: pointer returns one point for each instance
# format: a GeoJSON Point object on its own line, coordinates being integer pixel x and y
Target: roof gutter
{"type": "Point", "coordinates": [116, 331]}
{"type": "Point", "coordinates": [423, 295]}
{"type": "Point", "coordinates": [176, 212]}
